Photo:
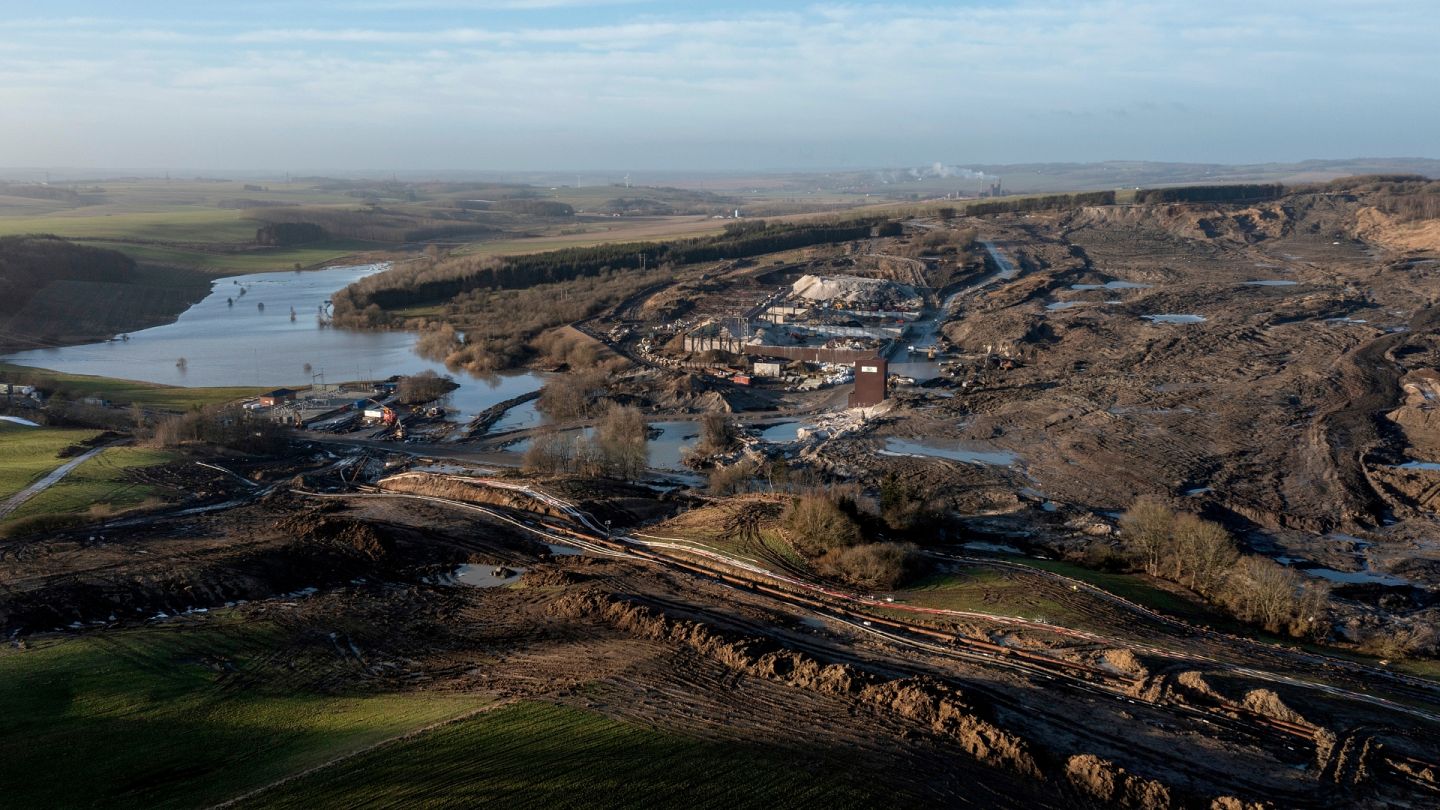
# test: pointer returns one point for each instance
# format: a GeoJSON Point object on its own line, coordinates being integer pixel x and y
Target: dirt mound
{"type": "Point", "coordinates": [439, 486]}
{"type": "Point", "coordinates": [1232, 803]}
{"type": "Point", "coordinates": [1112, 786]}
{"type": "Point", "coordinates": [341, 534]}
{"type": "Point", "coordinates": [549, 578]}
{"type": "Point", "coordinates": [1269, 704]}
{"type": "Point", "coordinates": [944, 709]}
{"type": "Point", "coordinates": [1124, 662]}
{"type": "Point", "coordinates": [1374, 225]}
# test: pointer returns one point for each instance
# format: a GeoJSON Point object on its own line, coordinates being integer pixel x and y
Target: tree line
{"type": "Point", "coordinates": [421, 284]}
{"type": "Point", "coordinates": [1219, 193]}
{"type": "Point", "coordinates": [1048, 202]}
{"type": "Point", "coordinates": [1201, 556]}
{"type": "Point", "coordinates": [29, 263]}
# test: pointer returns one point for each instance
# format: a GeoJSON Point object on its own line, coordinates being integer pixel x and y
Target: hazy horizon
{"type": "Point", "coordinates": [614, 85]}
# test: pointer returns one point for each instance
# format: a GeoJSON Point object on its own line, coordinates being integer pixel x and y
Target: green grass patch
{"type": "Point", "coordinates": [188, 224]}
{"type": "Point", "coordinates": [985, 590]}
{"type": "Point", "coordinates": [101, 480]}
{"type": "Point", "coordinates": [153, 395]}
{"type": "Point", "coordinates": [151, 717]}
{"type": "Point", "coordinates": [1134, 587]}
{"type": "Point", "coordinates": [537, 755]}
{"type": "Point", "coordinates": [27, 454]}
{"type": "Point", "coordinates": [249, 261]}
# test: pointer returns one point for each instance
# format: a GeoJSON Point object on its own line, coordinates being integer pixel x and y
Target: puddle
{"type": "Point", "coordinates": [15, 420]}
{"type": "Point", "coordinates": [665, 451]}
{"type": "Point", "coordinates": [1050, 506]}
{"type": "Point", "coordinates": [1355, 577]}
{"type": "Point", "coordinates": [1059, 305]}
{"type": "Point", "coordinates": [1191, 493]}
{"type": "Point", "coordinates": [781, 432]}
{"type": "Point", "coordinates": [1419, 465]}
{"type": "Point", "coordinates": [955, 451]}
{"type": "Point", "coordinates": [1346, 320]}
{"type": "Point", "coordinates": [996, 548]}
{"type": "Point", "coordinates": [1111, 285]}
{"type": "Point", "coordinates": [1271, 282]}
{"type": "Point", "coordinates": [1175, 318]}
{"type": "Point", "coordinates": [520, 417]}
{"type": "Point", "coordinates": [486, 576]}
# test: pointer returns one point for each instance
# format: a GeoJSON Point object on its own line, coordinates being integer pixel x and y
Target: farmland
{"type": "Point", "coordinates": [26, 454]}
{"type": "Point", "coordinates": [100, 484]}
{"type": "Point", "coordinates": [541, 755]}
{"type": "Point", "coordinates": [134, 718]}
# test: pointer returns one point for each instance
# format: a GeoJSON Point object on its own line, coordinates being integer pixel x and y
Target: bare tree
{"type": "Point", "coordinates": [622, 442]}
{"type": "Point", "coordinates": [1146, 530]}
{"type": "Point", "coordinates": [1203, 553]}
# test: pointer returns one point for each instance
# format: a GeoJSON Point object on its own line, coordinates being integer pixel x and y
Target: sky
{"type": "Point", "coordinates": [509, 85]}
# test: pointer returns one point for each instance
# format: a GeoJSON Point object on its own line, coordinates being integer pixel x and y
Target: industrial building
{"type": "Point", "coordinates": [871, 380]}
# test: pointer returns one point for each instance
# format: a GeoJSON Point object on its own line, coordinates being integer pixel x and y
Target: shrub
{"type": "Point", "coordinates": [814, 523]}
{"type": "Point", "coordinates": [871, 565]}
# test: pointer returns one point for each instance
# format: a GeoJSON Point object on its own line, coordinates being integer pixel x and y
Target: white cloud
{"type": "Point", "coordinates": [1037, 79]}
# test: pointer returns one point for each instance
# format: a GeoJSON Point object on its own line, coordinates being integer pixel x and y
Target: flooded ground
{"type": "Point", "coordinates": [967, 452]}
{"type": "Point", "coordinates": [1271, 282]}
{"type": "Point", "coordinates": [1175, 318]}
{"type": "Point", "coordinates": [1112, 285]}
{"type": "Point", "coordinates": [486, 576]}
{"type": "Point", "coordinates": [666, 451]}
{"type": "Point", "coordinates": [228, 340]}
{"type": "Point", "coordinates": [781, 432]}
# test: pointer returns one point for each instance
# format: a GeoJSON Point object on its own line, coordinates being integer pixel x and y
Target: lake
{"type": "Point", "coordinates": [236, 342]}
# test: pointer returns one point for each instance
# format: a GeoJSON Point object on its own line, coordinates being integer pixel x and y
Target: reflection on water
{"type": "Point", "coordinates": [967, 452]}
{"type": "Point", "coordinates": [666, 451]}
{"type": "Point", "coordinates": [228, 340]}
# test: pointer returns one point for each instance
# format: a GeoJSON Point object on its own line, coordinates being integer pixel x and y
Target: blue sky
{"type": "Point", "coordinates": [640, 84]}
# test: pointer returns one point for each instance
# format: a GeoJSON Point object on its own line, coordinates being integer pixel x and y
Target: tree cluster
{"type": "Point", "coordinates": [618, 448]}
{"type": "Point", "coordinates": [1234, 192]}
{"type": "Point", "coordinates": [29, 263]}
{"type": "Point", "coordinates": [1046, 203]}
{"type": "Point", "coordinates": [1201, 556]}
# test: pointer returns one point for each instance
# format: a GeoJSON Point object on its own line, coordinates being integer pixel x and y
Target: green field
{"type": "Point", "coordinates": [27, 454]}
{"type": "Point", "coordinates": [537, 755]}
{"type": "Point", "coordinates": [1137, 588]}
{"type": "Point", "coordinates": [985, 590]}
{"type": "Point", "coordinates": [99, 481]}
{"type": "Point", "coordinates": [250, 261]}
{"type": "Point", "coordinates": [152, 395]}
{"type": "Point", "coordinates": [170, 716]}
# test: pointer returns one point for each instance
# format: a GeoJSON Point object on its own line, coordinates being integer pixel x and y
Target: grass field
{"type": "Point", "coordinates": [152, 395]}
{"type": "Point", "coordinates": [250, 261]}
{"type": "Point", "coordinates": [537, 755]}
{"type": "Point", "coordinates": [984, 590]}
{"type": "Point", "coordinates": [100, 480]}
{"type": "Point", "coordinates": [120, 222]}
{"type": "Point", "coordinates": [149, 717]}
{"type": "Point", "coordinates": [27, 454]}
{"type": "Point", "coordinates": [1134, 587]}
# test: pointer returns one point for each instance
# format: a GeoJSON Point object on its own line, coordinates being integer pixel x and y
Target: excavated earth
{"type": "Point", "coordinates": [1287, 412]}
{"type": "Point", "coordinates": [657, 644]}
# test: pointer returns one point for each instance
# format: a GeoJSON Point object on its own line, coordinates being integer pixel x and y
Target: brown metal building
{"type": "Point", "coordinates": [871, 375]}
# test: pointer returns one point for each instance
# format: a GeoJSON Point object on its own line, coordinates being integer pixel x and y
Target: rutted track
{"type": "Point", "coordinates": [583, 532]}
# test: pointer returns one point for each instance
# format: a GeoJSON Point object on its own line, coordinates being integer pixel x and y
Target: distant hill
{"type": "Point", "coordinates": [54, 291]}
